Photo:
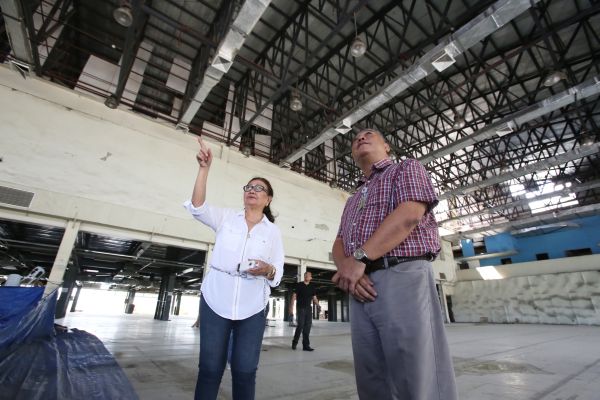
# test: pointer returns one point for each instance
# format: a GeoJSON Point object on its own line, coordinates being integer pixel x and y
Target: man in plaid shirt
{"type": "Point", "coordinates": [387, 239]}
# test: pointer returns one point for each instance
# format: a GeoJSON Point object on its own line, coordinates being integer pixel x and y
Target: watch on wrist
{"type": "Point", "coordinates": [360, 255]}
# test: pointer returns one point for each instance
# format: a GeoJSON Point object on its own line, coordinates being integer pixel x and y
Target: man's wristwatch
{"type": "Point", "coordinates": [360, 255]}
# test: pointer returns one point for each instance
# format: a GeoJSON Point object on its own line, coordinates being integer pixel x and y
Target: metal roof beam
{"type": "Point", "coordinates": [511, 123]}
{"type": "Point", "coordinates": [440, 57]}
{"type": "Point", "coordinates": [576, 153]}
{"type": "Point", "coordinates": [523, 202]}
{"type": "Point", "coordinates": [295, 76]}
{"type": "Point", "coordinates": [16, 28]}
{"type": "Point", "coordinates": [133, 39]}
{"type": "Point", "coordinates": [233, 40]}
{"type": "Point", "coordinates": [541, 219]}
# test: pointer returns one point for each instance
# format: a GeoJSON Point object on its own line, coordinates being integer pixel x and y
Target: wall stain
{"type": "Point", "coordinates": [322, 227]}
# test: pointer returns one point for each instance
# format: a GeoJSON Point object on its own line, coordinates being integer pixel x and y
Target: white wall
{"type": "Point", "coordinates": [445, 264]}
{"type": "Point", "coordinates": [552, 266]}
{"type": "Point", "coordinates": [558, 291]}
{"type": "Point", "coordinates": [123, 173]}
{"type": "Point", "coordinates": [567, 298]}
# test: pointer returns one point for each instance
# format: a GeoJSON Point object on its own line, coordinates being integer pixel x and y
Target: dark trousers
{"type": "Point", "coordinates": [304, 319]}
{"type": "Point", "coordinates": [216, 334]}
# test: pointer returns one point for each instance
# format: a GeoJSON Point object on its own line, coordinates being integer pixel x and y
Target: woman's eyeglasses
{"type": "Point", "coordinates": [256, 188]}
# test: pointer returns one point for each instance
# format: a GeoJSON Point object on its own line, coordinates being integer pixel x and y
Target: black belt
{"type": "Point", "coordinates": [385, 262]}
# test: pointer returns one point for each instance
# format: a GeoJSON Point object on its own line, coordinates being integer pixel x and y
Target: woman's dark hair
{"type": "Point", "coordinates": [267, 209]}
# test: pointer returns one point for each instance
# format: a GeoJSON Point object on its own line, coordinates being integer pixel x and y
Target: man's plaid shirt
{"type": "Point", "coordinates": [389, 185]}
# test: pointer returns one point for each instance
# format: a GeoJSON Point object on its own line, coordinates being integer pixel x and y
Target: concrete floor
{"type": "Point", "coordinates": [525, 362]}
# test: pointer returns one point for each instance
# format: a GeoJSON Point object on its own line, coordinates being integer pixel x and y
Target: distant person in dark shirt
{"type": "Point", "coordinates": [304, 295]}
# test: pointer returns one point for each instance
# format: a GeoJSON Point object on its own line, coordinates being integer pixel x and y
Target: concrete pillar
{"type": "Point", "coordinates": [287, 298]}
{"type": "Point", "coordinates": [165, 297]}
{"type": "Point", "coordinates": [62, 256]}
{"type": "Point", "coordinates": [66, 291]}
{"type": "Point", "coordinates": [177, 303]}
{"type": "Point", "coordinates": [301, 270]}
{"type": "Point", "coordinates": [74, 303]}
{"type": "Point", "coordinates": [129, 301]}
{"type": "Point", "coordinates": [345, 307]}
{"type": "Point", "coordinates": [332, 306]}
{"type": "Point", "coordinates": [443, 303]}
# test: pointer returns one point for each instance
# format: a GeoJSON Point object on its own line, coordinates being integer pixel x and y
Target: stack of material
{"type": "Point", "coordinates": [39, 362]}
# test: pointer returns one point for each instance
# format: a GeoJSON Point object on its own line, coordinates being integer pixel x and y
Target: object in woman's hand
{"type": "Point", "coordinates": [249, 264]}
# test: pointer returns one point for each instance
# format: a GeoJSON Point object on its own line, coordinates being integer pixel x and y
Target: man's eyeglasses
{"type": "Point", "coordinates": [256, 188]}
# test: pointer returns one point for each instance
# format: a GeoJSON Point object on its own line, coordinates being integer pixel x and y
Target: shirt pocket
{"type": "Point", "coordinates": [230, 241]}
{"type": "Point", "coordinates": [259, 247]}
{"type": "Point", "coordinates": [376, 208]}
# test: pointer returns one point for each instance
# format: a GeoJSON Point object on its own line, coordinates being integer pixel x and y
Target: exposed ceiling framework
{"type": "Point", "coordinates": [127, 263]}
{"type": "Point", "coordinates": [491, 96]}
{"type": "Point", "coordinates": [120, 263]}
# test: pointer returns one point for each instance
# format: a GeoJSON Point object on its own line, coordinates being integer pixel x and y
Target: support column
{"type": "Point", "coordinates": [301, 270]}
{"type": "Point", "coordinates": [129, 305]}
{"type": "Point", "coordinates": [177, 303]}
{"type": "Point", "coordinates": [287, 299]}
{"type": "Point", "coordinates": [443, 304]}
{"type": "Point", "coordinates": [345, 307]}
{"type": "Point", "coordinates": [66, 291]}
{"type": "Point", "coordinates": [62, 256]}
{"type": "Point", "coordinates": [332, 306]}
{"type": "Point", "coordinates": [165, 297]}
{"type": "Point", "coordinates": [74, 303]}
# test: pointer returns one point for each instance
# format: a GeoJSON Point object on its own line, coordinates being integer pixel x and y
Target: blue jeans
{"type": "Point", "coordinates": [215, 332]}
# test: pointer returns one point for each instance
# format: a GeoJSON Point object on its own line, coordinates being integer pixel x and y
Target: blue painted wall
{"type": "Point", "coordinates": [468, 249]}
{"type": "Point", "coordinates": [500, 242]}
{"type": "Point", "coordinates": [555, 243]}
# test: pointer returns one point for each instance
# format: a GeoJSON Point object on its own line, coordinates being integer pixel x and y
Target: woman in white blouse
{"type": "Point", "coordinates": [247, 261]}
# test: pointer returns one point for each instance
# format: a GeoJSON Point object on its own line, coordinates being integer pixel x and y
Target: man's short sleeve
{"type": "Point", "coordinates": [414, 184]}
{"type": "Point", "coordinates": [342, 219]}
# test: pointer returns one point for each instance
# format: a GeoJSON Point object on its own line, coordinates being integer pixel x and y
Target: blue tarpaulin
{"type": "Point", "coordinates": [37, 362]}
{"type": "Point", "coordinates": [23, 317]}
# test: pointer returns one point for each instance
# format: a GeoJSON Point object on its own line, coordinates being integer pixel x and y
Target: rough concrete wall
{"type": "Point", "coordinates": [567, 298]}
{"type": "Point", "coordinates": [115, 168]}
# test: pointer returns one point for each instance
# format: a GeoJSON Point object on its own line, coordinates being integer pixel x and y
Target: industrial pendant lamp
{"type": "Point", "coordinates": [358, 47]}
{"type": "Point", "coordinates": [459, 122]}
{"type": "Point", "coordinates": [123, 14]}
{"type": "Point", "coordinates": [246, 150]}
{"type": "Point", "coordinates": [295, 101]}
{"type": "Point", "coordinates": [553, 78]}
{"type": "Point", "coordinates": [111, 102]}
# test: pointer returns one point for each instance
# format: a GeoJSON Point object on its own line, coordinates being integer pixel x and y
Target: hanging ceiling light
{"type": "Point", "coordinates": [246, 150]}
{"type": "Point", "coordinates": [123, 15]}
{"type": "Point", "coordinates": [553, 78]}
{"type": "Point", "coordinates": [358, 47]}
{"type": "Point", "coordinates": [459, 122]}
{"type": "Point", "coordinates": [504, 168]}
{"type": "Point", "coordinates": [111, 102]}
{"type": "Point", "coordinates": [587, 139]}
{"type": "Point", "coordinates": [295, 101]}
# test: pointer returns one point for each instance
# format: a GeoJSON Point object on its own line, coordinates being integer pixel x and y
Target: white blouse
{"type": "Point", "coordinates": [235, 297]}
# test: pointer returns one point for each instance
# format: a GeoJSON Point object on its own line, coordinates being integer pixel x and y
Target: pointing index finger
{"type": "Point", "coordinates": [202, 145]}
